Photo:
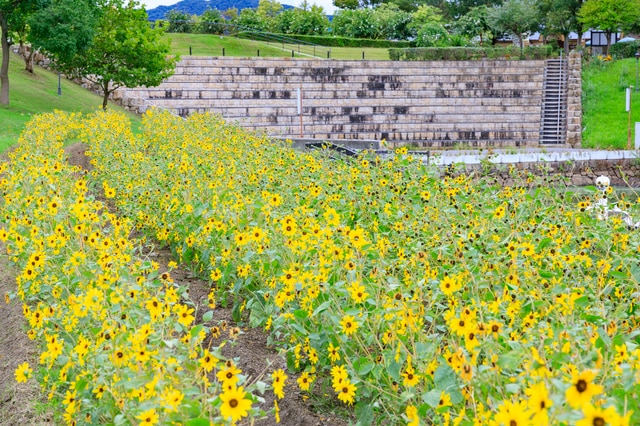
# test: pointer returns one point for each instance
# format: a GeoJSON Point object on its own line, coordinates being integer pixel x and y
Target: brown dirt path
{"type": "Point", "coordinates": [255, 358]}
{"type": "Point", "coordinates": [20, 403]}
{"type": "Point", "coordinates": [24, 404]}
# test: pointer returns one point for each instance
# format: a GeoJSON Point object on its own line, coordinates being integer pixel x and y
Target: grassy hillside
{"type": "Point", "coordinates": [211, 45]}
{"type": "Point", "coordinates": [33, 94]}
{"type": "Point", "coordinates": [605, 120]}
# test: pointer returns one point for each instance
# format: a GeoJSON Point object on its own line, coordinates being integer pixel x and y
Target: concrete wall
{"type": "Point", "coordinates": [487, 103]}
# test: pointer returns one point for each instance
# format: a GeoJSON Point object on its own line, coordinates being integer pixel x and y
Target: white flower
{"type": "Point", "coordinates": [602, 182]}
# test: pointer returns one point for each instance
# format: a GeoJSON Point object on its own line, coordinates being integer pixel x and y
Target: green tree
{"type": "Point", "coordinates": [561, 17]}
{"type": "Point", "coordinates": [13, 17]}
{"type": "Point", "coordinates": [515, 17]}
{"type": "Point", "coordinates": [609, 16]}
{"type": "Point", "coordinates": [425, 14]}
{"type": "Point", "coordinates": [306, 19]}
{"type": "Point", "coordinates": [64, 26]}
{"type": "Point", "coordinates": [346, 4]}
{"type": "Point", "coordinates": [4, 67]}
{"type": "Point", "coordinates": [432, 34]}
{"type": "Point", "coordinates": [125, 51]}
{"type": "Point", "coordinates": [459, 8]}
{"type": "Point", "coordinates": [180, 22]}
{"type": "Point", "coordinates": [406, 5]}
{"type": "Point", "coordinates": [230, 14]}
{"type": "Point", "coordinates": [269, 8]}
{"type": "Point", "coordinates": [250, 19]}
{"type": "Point", "coordinates": [210, 22]}
{"type": "Point", "coordinates": [475, 24]}
{"type": "Point", "coordinates": [391, 22]}
{"type": "Point", "coordinates": [355, 4]}
{"type": "Point", "coordinates": [19, 32]}
{"type": "Point", "coordinates": [357, 23]}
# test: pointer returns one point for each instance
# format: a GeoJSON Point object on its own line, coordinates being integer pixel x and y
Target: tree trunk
{"type": "Point", "coordinates": [28, 57]}
{"type": "Point", "coordinates": [105, 98]}
{"type": "Point", "coordinates": [521, 43]}
{"type": "Point", "coordinates": [566, 45]}
{"type": "Point", "coordinates": [4, 68]}
{"type": "Point", "coordinates": [28, 62]}
{"type": "Point", "coordinates": [608, 33]}
{"type": "Point", "coordinates": [579, 43]}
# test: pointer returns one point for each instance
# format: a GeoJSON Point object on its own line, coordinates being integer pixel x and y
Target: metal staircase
{"type": "Point", "coordinates": [553, 123]}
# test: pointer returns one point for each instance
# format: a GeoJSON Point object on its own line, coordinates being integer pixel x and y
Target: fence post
{"type": "Point", "coordinates": [293, 54]}
{"type": "Point", "coordinates": [328, 52]}
{"type": "Point", "coordinates": [189, 50]}
{"type": "Point", "coordinates": [258, 52]}
{"type": "Point", "coordinates": [363, 55]}
{"type": "Point", "coordinates": [223, 51]}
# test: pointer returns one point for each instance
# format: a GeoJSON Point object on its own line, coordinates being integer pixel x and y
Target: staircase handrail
{"type": "Point", "coordinates": [560, 91]}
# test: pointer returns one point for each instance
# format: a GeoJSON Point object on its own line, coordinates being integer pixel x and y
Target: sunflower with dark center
{"type": "Point", "coordinates": [582, 389]}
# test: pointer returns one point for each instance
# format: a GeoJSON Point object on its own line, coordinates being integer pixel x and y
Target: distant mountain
{"type": "Point", "coordinates": [197, 7]}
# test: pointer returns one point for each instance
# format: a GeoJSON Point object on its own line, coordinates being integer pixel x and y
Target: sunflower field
{"type": "Point", "coordinates": [407, 295]}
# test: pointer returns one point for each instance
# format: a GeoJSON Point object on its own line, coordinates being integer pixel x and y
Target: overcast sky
{"type": "Point", "coordinates": [326, 4]}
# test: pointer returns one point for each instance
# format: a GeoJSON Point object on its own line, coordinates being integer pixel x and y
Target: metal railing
{"type": "Point", "coordinates": [289, 46]}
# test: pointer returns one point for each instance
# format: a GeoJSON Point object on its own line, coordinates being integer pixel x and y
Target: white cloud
{"type": "Point", "coordinates": [328, 6]}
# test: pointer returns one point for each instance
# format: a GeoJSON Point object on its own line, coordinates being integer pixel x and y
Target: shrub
{"type": "Point", "coordinates": [336, 41]}
{"type": "Point", "coordinates": [624, 50]}
{"type": "Point", "coordinates": [471, 53]}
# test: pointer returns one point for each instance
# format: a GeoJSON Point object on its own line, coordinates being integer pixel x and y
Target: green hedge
{"type": "Point", "coordinates": [624, 50]}
{"type": "Point", "coordinates": [470, 53]}
{"type": "Point", "coordinates": [334, 41]}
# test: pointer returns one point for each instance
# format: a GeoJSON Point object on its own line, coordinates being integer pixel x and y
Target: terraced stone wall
{"type": "Point", "coordinates": [487, 103]}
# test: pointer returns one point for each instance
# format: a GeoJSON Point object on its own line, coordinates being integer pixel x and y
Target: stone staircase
{"type": "Point", "coordinates": [553, 126]}
{"type": "Point", "coordinates": [487, 103]}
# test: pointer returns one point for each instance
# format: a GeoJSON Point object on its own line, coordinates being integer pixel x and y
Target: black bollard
{"type": "Point", "coordinates": [189, 50]}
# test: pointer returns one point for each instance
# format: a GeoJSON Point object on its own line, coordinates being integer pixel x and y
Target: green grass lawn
{"type": "Point", "coordinates": [31, 94]}
{"type": "Point", "coordinates": [212, 45]}
{"type": "Point", "coordinates": [605, 121]}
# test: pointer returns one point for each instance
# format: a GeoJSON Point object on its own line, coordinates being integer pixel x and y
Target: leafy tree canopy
{"type": "Point", "coordinates": [13, 17]}
{"type": "Point", "coordinates": [610, 16]}
{"type": "Point", "coordinates": [124, 52]}
{"type": "Point", "coordinates": [269, 8]}
{"type": "Point", "coordinates": [516, 17]}
{"type": "Point", "coordinates": [475, 23]}
{"type": "Point", "coordinates": [180, 22]}
{"type": "Point", "coordinates": [356, 23]}
{"type": "Point", "coordinates": [560, 17]}
{"type": "Point", "coordinates": [307, 19]}
{"type": "Point", "coordinates": [209, 22]}
{"type": "Point", "coordinates": [64, 26]}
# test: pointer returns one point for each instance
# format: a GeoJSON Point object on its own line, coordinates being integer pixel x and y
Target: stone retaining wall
{"type": "Point", "coordinates": [574, 100]}
{"type": "Point", "coordinates": [480, 104]}
{"type": "Point", "coordinates": [622, 172]}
